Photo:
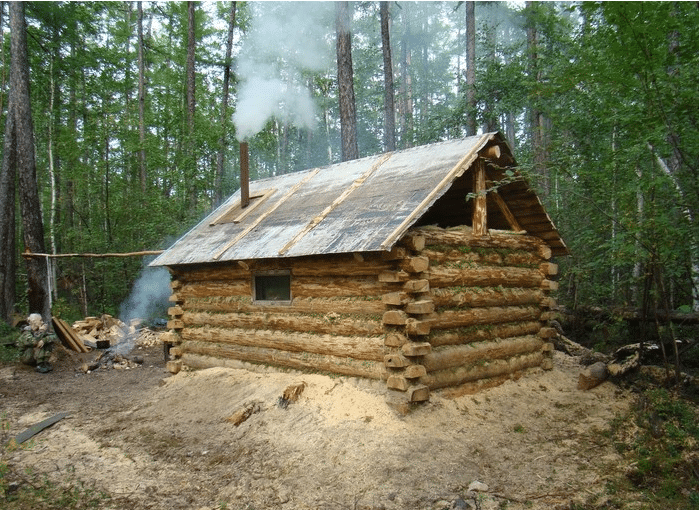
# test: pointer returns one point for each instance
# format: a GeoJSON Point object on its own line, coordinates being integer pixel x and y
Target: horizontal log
{"type": "Point", "coordinates": [414, 371]}
{"type": "Point", "coordinates": [415, 264]}
{"type": "Point", "coordinates": [484, 333]}
{"type": "Point", "coordinates": [497, 368]}
{"type": "Point", "coordinates": [395, 253]}
{"type": "Point", "coordinates": [337, 286]}
{"type": "Point", "coordinates": [175, 324]}
{"type": "Point", "coordinates": [460, 297]}
{"type": "Point", "coordinates": [393, 276]}
{"type": "Point", "coordinates": [364, 348]}
{"type": "Point", "coordinates": [295, 360]}
{"type": "Point", "coordinates": [413, 241]}
{"type": "Point", "coordinates": [479, 316]}
{"type": "Point", "coordinates": [282, 323]}
{"type": "Point", "coordinates": [395, 361]}
{"type": "Point", "coordinates": [175, 311]}
{"type": "Point", "coordinates": [463, 236]}
{"type": "Point", "coordinates": [208, 288]}
{"type": "Point", "coordinates": [395, 298]}
{"type": "Point", "coordinates": [417, 286]}
{"type": "Point", "coordinates": [310, 305]}
{"type": "Point", "coordinates": [416, 348]}
{"type": "Point", "coordinates": [395, 339]}
{"type": "Point", "coordinates": [397, 382]}
{"type": "Point", "coordinates": [329, 265]}
{"type": "Point", "coordinates": [395, 318]}
{"type": "Point", "coordinates": [421, 307]}
{"type": "Point", "coordinates": [418, 393]}
{"type": "Point", "coordinates": [485, 276]}
{"type": "Point", "coordinates": [548, 268]}
{"type": "Point", "coordinates": [549, 285]}
{"type": "Point", "coordinates": [452, 254]}
{"type": "Point", "coordinates": [472, 354]}
{"type": "Point", "coordinates": [415, 327]}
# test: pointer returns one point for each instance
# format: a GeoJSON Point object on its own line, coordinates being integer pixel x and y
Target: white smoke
{"type": "Point", "coordinates": [149, 296]}
{"type": "Point", "coordinates": [288, 42]}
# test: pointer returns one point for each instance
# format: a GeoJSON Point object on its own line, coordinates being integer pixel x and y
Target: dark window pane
{"type": "Point", "coordinates": [273, 288]}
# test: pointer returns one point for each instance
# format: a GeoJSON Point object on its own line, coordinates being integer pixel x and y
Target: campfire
{"type": "Point", "coordinates": [114, 340]}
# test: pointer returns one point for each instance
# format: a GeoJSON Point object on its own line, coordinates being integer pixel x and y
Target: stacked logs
{"type": "Point", "coordinates": [491, 300]}
{"type": "Point", "coordinates": [406, 330]}
{"type": "Point", "coordinates": [442, 308]}
{"type": "Point", "coordinates": [333, 323]}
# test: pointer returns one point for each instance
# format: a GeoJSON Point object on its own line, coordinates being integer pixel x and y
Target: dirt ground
{"type": "Point", "coordinates": [154, 440]}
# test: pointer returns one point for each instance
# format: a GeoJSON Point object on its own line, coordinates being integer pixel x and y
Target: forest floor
{"type": "Point", "coordinates": [146, 439]}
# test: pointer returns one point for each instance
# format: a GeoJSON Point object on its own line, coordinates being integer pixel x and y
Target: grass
{"type": "Point", "coordinates": [26, 490]}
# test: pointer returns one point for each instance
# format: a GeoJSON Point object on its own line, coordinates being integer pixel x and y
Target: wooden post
{"type": "Point", "coordinates": [479, 218]}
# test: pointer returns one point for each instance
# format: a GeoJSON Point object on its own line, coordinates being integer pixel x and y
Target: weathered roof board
{"type": "Point", "coordinates": [356, 206]}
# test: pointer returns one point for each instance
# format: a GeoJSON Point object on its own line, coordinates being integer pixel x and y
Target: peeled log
{"type": "Point", "coordinates": [415, 264]}
{"type": "Point", "coordinates": [485, 276]}
{"type": "Point", "coordinates": [476, 316]}
{"type": "Point", "coordinates": [463, 355]}
{"type": "Point", "coordinates": [336, 286]}
{"type": "Point", "coordinates": [456, 376]}
{"type": "Point", "coordinates": [367, 348]}
{"type": "Point", "coordinates": [214, 288]}
{"type": "Point", "coordinates": [477, 334]}
{"type": "Point", "coordinates": [307, 305]}
{"type": "Point", "coordinates": [329, 265]}
{"type": "Point", "coordinates": [477, 297]}
{"type": "Point", "coordinates": [463, 236]}
{"type": "Point", "coordinates": [283, 323]}
{"type": "Point", "coordinates": [295, 360]}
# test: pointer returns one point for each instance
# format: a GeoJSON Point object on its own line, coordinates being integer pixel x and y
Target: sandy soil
{"type": "Point", "coordinates": [153, 440]}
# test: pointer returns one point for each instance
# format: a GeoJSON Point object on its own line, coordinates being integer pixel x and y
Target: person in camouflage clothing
{"type": "Point", "coordinates": [36, 343]}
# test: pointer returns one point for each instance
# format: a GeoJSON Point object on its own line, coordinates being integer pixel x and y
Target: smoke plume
{"type": "Point", "coordinates": [288, 43]}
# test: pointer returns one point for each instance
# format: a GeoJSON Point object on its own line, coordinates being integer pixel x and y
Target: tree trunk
{"type": "Point", "coordinates": [19, 157]}
{"type": "Point", "coordinates": [345, 83]}
{"type": "Point", "coordinates": [191, 85]}
{"type": "Point", "coordinates": [218, 185]}
{"type": "Point", "coordinates": [537, 123]}
{"type": "Point", "coordinates": [406, 109]}
{"type": "Point", "coordinates": [388, 105]}
{"type": "Point", "coordinates": [471, 68]}
{"type": "Point", "coordinates": [141, 102]}
{"type": "Point", "coordinates": [7, 221]}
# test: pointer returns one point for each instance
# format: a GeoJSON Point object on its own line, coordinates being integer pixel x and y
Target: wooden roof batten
{"type": "Point", "coordinates": [367, 205]}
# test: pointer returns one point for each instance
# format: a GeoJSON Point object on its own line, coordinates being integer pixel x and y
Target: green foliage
{"type": "Point", "coordinates": [613, 82]}
{"type": "Point", "coordinates": [660, 437]}
{"type": "Point", "coordinates": [8, 335]}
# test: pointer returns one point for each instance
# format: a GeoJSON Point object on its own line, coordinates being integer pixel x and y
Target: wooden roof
{"type": "Point", "coordinates": [362, 205]}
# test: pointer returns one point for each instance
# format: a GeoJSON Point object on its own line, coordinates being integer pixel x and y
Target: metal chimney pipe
{"type": "Point", "coordinates": [244, 176]}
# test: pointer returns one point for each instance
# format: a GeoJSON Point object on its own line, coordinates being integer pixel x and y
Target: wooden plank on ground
{"type": "Point", "coordinates": [67, 336]}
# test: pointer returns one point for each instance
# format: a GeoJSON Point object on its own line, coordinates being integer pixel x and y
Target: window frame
{"type": "Point", "coordinates": [277, 302]}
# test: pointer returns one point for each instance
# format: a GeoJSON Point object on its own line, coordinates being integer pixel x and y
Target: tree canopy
{"type": "Point", "coordinates": [597, 100]}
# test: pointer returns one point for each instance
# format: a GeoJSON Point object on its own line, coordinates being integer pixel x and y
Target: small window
{"type": "Point", "coordinates": [273, 287]}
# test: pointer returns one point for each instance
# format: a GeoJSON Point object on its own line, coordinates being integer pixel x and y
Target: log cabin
{"type": "Point", "coordinates": [427, 268]}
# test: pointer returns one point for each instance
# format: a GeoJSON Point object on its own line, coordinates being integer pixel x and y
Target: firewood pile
{"type": "Point", "coordinates": [106, 331]}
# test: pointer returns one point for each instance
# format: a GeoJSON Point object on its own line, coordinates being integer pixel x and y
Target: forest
{"type": "Point", "coordinates": [138, 108]}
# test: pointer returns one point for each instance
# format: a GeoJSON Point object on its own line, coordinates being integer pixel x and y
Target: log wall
{"type": "Point", "coordinates": [443, 308]}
